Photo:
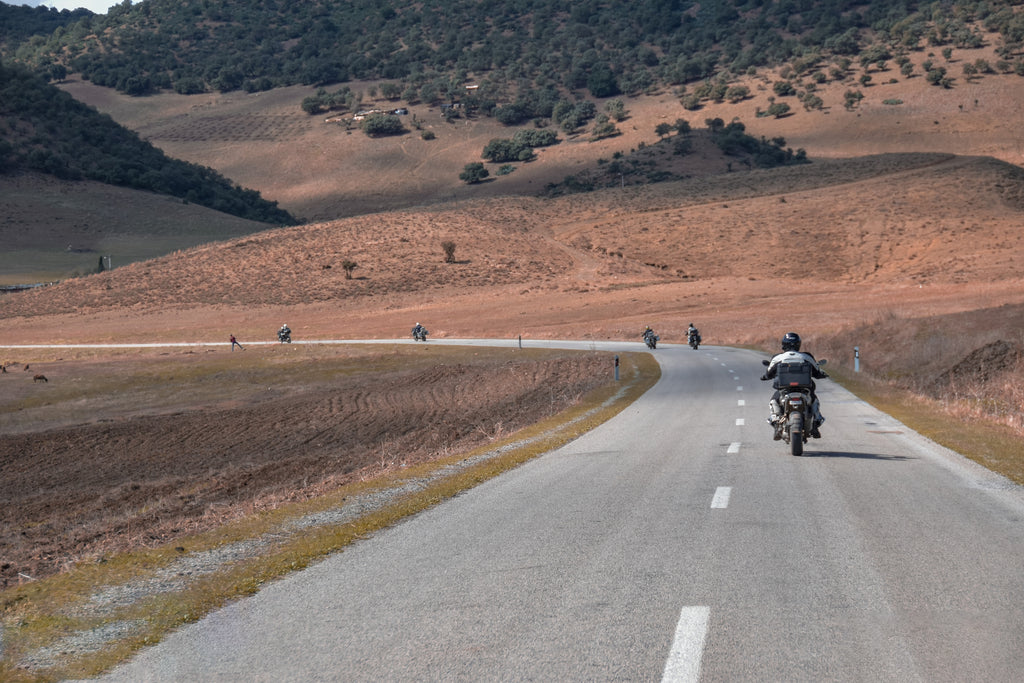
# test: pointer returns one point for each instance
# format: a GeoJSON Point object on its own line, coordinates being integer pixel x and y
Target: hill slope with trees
{"type": "Point", "coordinates": [430, 47]}
{"type": "Point", "coordinates": [47, 130]}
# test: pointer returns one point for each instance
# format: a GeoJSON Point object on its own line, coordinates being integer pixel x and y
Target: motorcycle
{"type": "Point", "coordinates": [419, 333]}
{"type": "Point", "coordinates": [651, 340]}
{"type": "Point", "coordinates": [284, 336]}
{"type": "Point", "coordinates": [794, 383]}
{"type": "Point", "coordinates": [694, 340]}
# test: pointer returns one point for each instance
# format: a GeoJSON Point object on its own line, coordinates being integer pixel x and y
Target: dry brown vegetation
{"type": "Point", "coordinates": [137, 449]}
{"type": "Point", "coordinates": [902, 237]}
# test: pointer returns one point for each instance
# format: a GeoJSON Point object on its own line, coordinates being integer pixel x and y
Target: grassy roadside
{"type": "Point", "coordinates": [45, 623]}
{"type": "Point", "coordinates": [995, 446]}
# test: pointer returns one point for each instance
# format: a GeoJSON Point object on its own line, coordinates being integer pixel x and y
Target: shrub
{"type": "Point", "coordinates": [535, 138]}
{"type": "Point", "coordinates": [377, 125]}
{"type": "Point", "coordinates": [502, 150]}
{"type": "Point", "coordinates": [473, 173]}
{"type": "Point", "coordinates": [616, 109]}
{"type": "Point", "coordinates": [449, 251]}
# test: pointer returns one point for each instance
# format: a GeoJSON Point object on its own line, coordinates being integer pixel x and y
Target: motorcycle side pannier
{"type": "Point", "coordinates": [794, 375]}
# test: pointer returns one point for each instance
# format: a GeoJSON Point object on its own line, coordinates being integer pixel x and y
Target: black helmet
{"type": "Point", "coordinates": [791, 342]}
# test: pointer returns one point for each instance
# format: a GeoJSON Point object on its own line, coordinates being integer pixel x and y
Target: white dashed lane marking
{"type": "Point", "coordinates": [721, 497]}
{"type": "Point", "coordinates": [734, 447]}
{"type": "Point", "coordinates": [683, 664]}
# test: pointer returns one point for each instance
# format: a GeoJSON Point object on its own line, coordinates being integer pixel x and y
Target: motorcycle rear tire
{"type": "Point", "coordinates": [796, 434]}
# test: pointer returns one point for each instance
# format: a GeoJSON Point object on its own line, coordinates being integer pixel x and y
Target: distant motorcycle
{"type": "Point", "coordinates": [419, 333]}
{"type": "Point", "coordinates": [694, 340]}
{"type": "Point", "coordinates": [795, 383]}
{"type": "Point", "coordinates": [651, 339]}
{"type": "Point", "coordinates": [284, 336]}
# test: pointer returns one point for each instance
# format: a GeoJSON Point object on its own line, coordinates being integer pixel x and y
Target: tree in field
{"type": "Point", "coordinates": [377, 125]}
{"type": "Point", "coordinates": [616, 109]}
{"type": "Point", "coordinates": [603, 128]}
{"type": "Point", "coordinates": [737, 93]}
{"type": "Point", "coordinates": [449, 251]}
{"type": "Point", "coordinates": [501, 150]}
{"type": "Point", "coordinates": [662, 130]}
{"type": "Point", "coordinates": [348, 267]}
{"type": "Point", "coordinates": [813, 102]}
{"type": "Point", "coordinates": [601, 82]}
{"type": "Point", "coordinates": [473, 173]}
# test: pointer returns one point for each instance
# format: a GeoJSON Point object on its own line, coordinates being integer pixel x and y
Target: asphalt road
{"type": "Point", "coordinates": [675, 542]}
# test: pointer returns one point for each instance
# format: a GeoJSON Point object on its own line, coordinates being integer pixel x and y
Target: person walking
{"type": "Point", "coordinates": [234, 343]}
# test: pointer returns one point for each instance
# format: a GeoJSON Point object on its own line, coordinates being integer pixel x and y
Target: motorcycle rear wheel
{"type": "Point", "coordinates": [796, 434]}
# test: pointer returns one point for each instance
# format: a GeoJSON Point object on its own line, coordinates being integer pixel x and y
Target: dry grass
{"type": "Point", "coordinates": [962, 426]}
{"type": "Point", "coordinates": [142, 448]}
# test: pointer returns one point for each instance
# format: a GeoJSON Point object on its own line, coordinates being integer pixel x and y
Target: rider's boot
{"type": "Point", "coordinates": [775, 420]}
{"type": "Point", "coordinates": [818, 420]}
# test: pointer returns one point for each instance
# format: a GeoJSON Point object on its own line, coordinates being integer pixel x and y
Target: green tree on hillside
{"type": "Point", "coordinates": [473, 173]}
{"type": "Point", "coordinates": [378, 125]}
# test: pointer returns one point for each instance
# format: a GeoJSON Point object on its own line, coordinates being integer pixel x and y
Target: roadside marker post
{"type": "Point", "coordinates": [616, 367]}
{"type": "Point", "coordinates": [856, 359]}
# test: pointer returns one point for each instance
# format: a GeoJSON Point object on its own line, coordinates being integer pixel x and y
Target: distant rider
{"type": "Point", "coordinates": [647, 333]}
{"type": "Point", "coordinates": [419, 332]}
{"type": "Point", "coordinates": [284, 333]}
{"type": "Point", "coordinates": [692, 332]}
{"type": "Point", "coordinates": [791, 353]}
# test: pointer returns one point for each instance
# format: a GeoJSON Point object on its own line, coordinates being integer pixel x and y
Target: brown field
{"type": "Point", "coordinates": [136, 449]}
{"type": "Point", "coordinates": [903, 237]}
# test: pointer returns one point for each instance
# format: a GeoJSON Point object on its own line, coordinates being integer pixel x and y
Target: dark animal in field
{"type": "Point", "coordinates": [25, 369]}
{"type": "Point", "coordinates": [40, 378]}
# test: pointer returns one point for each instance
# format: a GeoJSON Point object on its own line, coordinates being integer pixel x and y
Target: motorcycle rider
{"type": "Point", "coordinates": [284, 333]}
{"type": "Point", "coordinates": [647, 333]}
{"type": "Point", "coordinates": [692, 332]}
{"type": "Point", "coordinates": [418, 331]}
{"type": "Point", "coordinates": [791, 353]}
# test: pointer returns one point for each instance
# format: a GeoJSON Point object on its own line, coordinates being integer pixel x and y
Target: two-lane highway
{"type": "Point", "coordinates": [675, 542]}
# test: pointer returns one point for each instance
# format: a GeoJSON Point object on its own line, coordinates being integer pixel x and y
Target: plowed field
{"type": "Point", "coordinates": [136, 450]}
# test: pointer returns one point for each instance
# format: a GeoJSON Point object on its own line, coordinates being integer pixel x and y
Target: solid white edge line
{"type": "Point", "coordinates": [721, 498]}
{"type": "Point", "coordinates": [683, 664]}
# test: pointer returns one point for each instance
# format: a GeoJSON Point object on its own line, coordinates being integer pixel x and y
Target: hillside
{"type": "Point", "coordinates": [427, 48]}
{"type": "Point", "coordinates": [53, 229]}
{"type": "Point", "coordinates": [49, 132]}
{"type": "Point", "coordinates": [637, 248]}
